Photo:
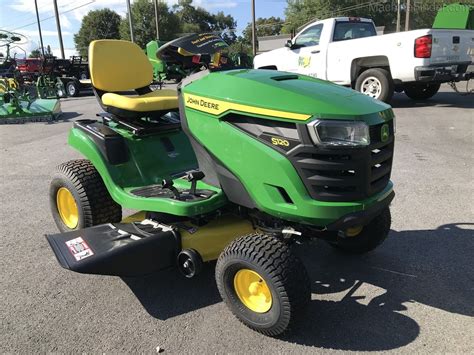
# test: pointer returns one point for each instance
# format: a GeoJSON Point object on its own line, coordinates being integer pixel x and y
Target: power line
{"type": "Point", "coordinates": [50, 17]}
{"type": "Point", "coordinates": [29, 17]}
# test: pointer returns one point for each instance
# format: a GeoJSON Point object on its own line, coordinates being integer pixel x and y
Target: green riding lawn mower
{"type": "Point", "coordinates": [18, 102]}
{"type": "Point", "coordinates": [236, 166]}
{"type": "Point", "coordinates": [163, 70]}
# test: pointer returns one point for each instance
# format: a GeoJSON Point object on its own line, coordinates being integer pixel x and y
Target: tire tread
{"type": "Point", "coordinates": [97, 204]}
{"type": "Point", "coordinates": [276, 258]}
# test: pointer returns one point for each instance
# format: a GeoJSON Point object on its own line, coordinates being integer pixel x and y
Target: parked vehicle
{"type": "Point", "coordinates": [279, 163]}
{"type": "Point", "coordinates": [29, 65]}
{"type": "Point", "coordinates": [347, 51]}
{"type": "Point", "coordinates": [63, 77]}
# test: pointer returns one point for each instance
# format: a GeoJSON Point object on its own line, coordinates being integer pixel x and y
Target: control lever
{"type": "Point", "coordinates": [168, 184]}
{"type": "Point", "coordinates": [193, 177]}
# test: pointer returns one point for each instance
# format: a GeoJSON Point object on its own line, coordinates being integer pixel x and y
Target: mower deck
{"type": "Point", "coordinates": [139, 246]}
{"type": "Point", "coordinates": [39, 110]}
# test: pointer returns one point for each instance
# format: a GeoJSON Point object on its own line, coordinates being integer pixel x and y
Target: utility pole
{"type": "Point", "coordinates": [39, 27]}
{"type": "Point", "coordinates": [254, 30]}
{"type": "Point", "coordinates": [58, 25]}
{"type": "Point", "coordinates": [156, 20]}
{"type": "Point", "coordinates": [130, 22]}
{"type": "Point", "coordinates": [407, 17]}
{"type": "Point", "coordinates": [398, 16]}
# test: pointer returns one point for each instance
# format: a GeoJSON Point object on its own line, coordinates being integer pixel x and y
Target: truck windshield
{"type": "Point", "coordinates": [351, 30]}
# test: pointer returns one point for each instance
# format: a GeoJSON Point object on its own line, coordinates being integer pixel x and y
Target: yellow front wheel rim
{"type": "Point", "coordinates": [67, 208]}
{"type": "Point", "coordinates": [253, 291]}
{"type": "Point", "coordinates": [354, 231]}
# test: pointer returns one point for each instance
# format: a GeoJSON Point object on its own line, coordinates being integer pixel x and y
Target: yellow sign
{"type": "Point", "coordinates": [218, 107]}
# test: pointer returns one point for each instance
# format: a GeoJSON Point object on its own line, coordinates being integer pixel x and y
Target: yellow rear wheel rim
{"type": "Point", "coordinates": [67, 208]}
{"type": "Point", "coordinates": [253, 291]}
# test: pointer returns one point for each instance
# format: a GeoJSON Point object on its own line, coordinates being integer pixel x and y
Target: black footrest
{"type": "Point", "coordinates": [157, 191]}
{"type": "Point", "coordinates": [120, 249]}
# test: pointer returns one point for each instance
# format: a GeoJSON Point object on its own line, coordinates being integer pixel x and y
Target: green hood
{"type": "Point", "coordinates": [289, 92]}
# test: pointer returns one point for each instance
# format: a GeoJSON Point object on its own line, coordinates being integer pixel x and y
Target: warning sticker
{"type": "Point", "coordinates": [79, 248]}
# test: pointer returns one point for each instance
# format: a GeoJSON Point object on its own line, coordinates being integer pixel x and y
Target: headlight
{"type": "Point", "coordinates": [340, 133]}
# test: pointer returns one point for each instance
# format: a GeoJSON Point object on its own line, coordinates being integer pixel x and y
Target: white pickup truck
{"type": "Point", "coordinates": [347, 51]}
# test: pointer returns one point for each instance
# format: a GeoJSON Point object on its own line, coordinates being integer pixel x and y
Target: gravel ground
{"type": "Point", "coordinates": [414, 294]}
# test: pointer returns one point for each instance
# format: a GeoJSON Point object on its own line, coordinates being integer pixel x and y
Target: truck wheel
{"type": "Point", "coordinates": [376, 83]}
{"type": "Point", "coordinates": [265, 286]}
{"type": "Point", "coordinates": [72, 88]}
{"type": "Point", "coordinates": [360, 240]}
{"type": "Point", "coordinates": [421, 91]}
{"type": "Point", "coordinates": [79, 198]}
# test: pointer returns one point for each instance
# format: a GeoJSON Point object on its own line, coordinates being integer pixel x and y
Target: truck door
{"type": "Point", "coordinates": [339, 57]}
{"type": "Point", "coordinates": [308, 54]}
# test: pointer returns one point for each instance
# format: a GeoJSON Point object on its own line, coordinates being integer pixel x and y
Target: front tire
{"type": "Point", "coordinates": [365, 239]}
{"type": "Point", "coordinates": [376, 83]}
{"type": "Point", "coordinates": [79, 198]}
{"type": "Point", "coordinates": [421, 91]}
{"type": "Point", "coordinates": [265, 286]}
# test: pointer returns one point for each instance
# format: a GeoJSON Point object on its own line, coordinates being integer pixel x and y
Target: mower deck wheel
{"type": "Point", "coordinates": [263, 283]}
{"type": "Point", "coordinates": [79, 198]}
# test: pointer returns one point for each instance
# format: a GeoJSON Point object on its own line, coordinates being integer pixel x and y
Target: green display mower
{"type": "Point", "coordinates": [234, 166]}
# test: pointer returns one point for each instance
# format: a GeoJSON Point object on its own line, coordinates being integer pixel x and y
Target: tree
{"type": "Point", "coordinates": [226, 25]}
{"type": "Point", "coordinates": [265, 27]}
{"type": "Point", "coordinates": [384, 13]}
{"type": "Point", "coordinates": [97, 24]}
{"type": "Point", "coordinates": [48, 52]}
{"type": "Point", "coordinates": [35, 53]}
{"type": "Point", "coordinates": [240, 46]}
{"type": "Point", "coordinates": [197, 20]}
{"type": "Point", "coordinates": [143, 16]}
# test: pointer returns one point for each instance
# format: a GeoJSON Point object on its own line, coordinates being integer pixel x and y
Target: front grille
{"type": "Point", "coordinates": [347, 174]}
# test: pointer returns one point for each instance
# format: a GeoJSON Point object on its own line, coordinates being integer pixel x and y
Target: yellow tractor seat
{"type": "Point", "coordinates": [159, 100]}
{"type": "Point", "coordinates": [118, 66]}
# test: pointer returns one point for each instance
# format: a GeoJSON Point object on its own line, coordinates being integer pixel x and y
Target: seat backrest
{"type": "Point", "coordinates": [117, 65]}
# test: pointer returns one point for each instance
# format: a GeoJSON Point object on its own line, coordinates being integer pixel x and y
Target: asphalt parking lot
{"type": "Point", "coordinates": [413, 294]}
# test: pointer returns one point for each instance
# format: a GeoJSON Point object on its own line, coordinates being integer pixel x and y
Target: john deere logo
{"type": "Point", "coordinates": [384, 132]}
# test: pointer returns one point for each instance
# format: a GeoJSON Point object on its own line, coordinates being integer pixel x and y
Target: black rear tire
{"type": "Point", "coordinates": [371, 236]}
{"type": "Point", "coordinates": [383, 79]}
{"type": "Point", "coordinates": [421, 91]}
{"type": "Point", "coordinates": [94, 203]}
{"type": "Point", "coordinates": [279, 268]}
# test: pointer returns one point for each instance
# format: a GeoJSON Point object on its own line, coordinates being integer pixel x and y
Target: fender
{"type": "Point", "coordinates": [122, 178]}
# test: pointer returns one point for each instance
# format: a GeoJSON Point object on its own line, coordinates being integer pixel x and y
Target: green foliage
{"type": "Point", "coordinates": [143, 16]}
{"type": "Point", "coordinates": [35, 53]}
{"type": "Point", "coordinates": [265, 27]}
{"type": "Point", "coordinates": [384, 13]}
{"type": "Point", "coordinates": [240, 46]}
{"type": "Point", "coordinates": [225, 25]}
{"type": "Point", "coordinates": [182, 18]}
{"type": "Point", "coordinates": [194, 19]}
{"type": "Point", "coordinates": [97, 24]}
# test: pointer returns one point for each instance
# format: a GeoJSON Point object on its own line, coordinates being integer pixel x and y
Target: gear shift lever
{"type": "Point", "coordinates": [193, 177]}
{"type": "Point", "coordinates": [168, 184]}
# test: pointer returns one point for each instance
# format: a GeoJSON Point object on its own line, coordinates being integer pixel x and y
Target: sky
{"type": "Point", "coordinates": [20, 16]}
